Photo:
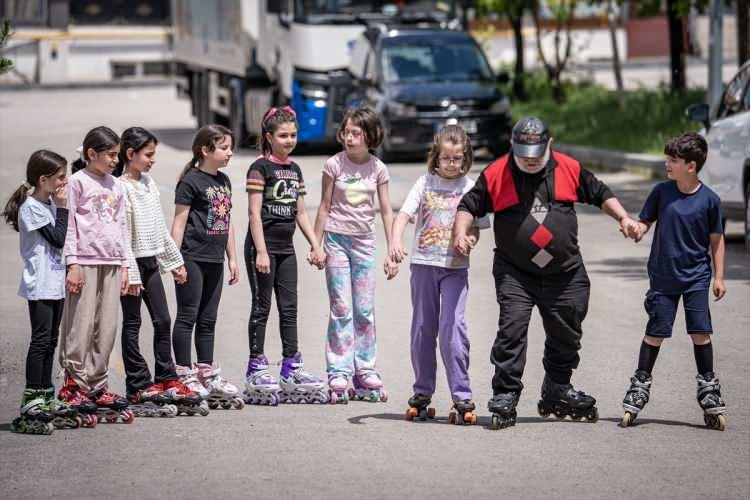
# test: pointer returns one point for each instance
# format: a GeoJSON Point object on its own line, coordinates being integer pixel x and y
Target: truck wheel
{"type": "Point", "coordinates": [747, 217]}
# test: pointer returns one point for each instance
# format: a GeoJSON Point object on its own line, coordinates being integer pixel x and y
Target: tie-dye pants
{"type": "Point", "coordinates": [350, 276]}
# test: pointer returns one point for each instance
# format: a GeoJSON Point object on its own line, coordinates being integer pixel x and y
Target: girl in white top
{"type": "Point", "coordinates": [152, 252]}
{"type": "Point", "coordinates": [439, 275]}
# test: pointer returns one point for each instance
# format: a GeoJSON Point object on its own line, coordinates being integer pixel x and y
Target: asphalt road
{"type": "Point", "coordinates": [366, 450]}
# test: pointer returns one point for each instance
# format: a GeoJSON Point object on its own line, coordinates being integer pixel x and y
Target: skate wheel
{"type": "Point", "coordinates": [470, 418]}
{"type": "Point", "coordinates": [452, 418]}
{"type": "Point", "coordinates": [226, 405]}
{"type": "Point", "coordinates": [576, 418]}
{"type": "Point", "coordinates": [543, 412]}
{"type": "Point", "coordinates": [127, 417]}
{"type": "Point", "coordinates": [383, 396]}
{"type": "Point", "coordinates": [238, 404]}
{"type": "Point", "coordinates": [721, 421]}
{"type": "Point", "coordinates": [430, 412]}
{"type": "Point", "coordinates": [203, 411]}
{"type": "Point", "coordinates": [78, 422]}
{"type": "Point", "coordinates": [213, 405]}
{"type": "Point", "coordinates": [593, 417]}
{"type": "Point", "coordinates": [333, 398]}
{"type": "Point", "coordinates": [352, 393]}
{"type": "Point", "coordinates": [627, 419]}
{"type": "Point", "coordinates": [411, 414]}
{"type": "Point", "coordinates": [495, 423]}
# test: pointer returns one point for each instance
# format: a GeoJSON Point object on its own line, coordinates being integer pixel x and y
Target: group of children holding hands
{"type": "Point", "coordinates": [99, 236]}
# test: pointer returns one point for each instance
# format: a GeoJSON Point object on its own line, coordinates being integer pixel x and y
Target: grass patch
{"type": "Point", "coordinates": [592, 115]}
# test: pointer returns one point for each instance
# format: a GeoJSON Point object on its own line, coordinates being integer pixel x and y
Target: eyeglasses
{"type": "Point", "coordinates": [456, 160]}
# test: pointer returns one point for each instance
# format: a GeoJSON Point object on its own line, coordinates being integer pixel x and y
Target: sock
{"type": "Point", "coordinates": [704, 357]}
{"type": "Point", "coordinates": [647, 357]}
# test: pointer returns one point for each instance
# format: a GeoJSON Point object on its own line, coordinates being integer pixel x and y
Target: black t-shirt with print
{"type": "Point", "coordinates": [210, 200]}
{"type": "Point", "coordinates": [281, 185]}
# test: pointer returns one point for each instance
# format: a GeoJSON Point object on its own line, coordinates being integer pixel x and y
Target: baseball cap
{"type": "Point", "coordinates": [530, 137]}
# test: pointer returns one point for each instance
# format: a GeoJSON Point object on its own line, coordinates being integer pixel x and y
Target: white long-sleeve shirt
{"type": "Point", "coordinates": [148, 231]}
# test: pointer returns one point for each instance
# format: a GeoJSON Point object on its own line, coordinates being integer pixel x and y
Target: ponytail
{"type": "Point", "coordinates": [41, 163]}
{"type": "Point", "coordinates": [193, 163]}
{"type": "Point", "coordinates": [207, 136]}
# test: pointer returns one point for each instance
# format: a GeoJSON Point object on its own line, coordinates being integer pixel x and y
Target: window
{"type": "Point", "coordinates": [24, 12]}
{"type": "Point", "coordinates": [734, 99]}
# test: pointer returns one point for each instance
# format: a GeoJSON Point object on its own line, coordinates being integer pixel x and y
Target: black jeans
{"type": "Point", "coordinates": [197, 307]}
{"type": "Point", "coordinates": [45, 318]}
{"type": "Point", "coordinates": [562, 300]}
{"type": "Point", "coordinates": [136, 370]}
{"type": "Point", "coordinates": [282, 280]}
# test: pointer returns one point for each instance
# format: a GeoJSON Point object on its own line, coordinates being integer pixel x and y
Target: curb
{"type": "Point", "coordinates": [613, 160]}
{"type": "Point", "coordinates": [125, 84]}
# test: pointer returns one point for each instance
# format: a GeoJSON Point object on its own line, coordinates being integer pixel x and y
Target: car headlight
{"type": "Point", "coordinates": [313, 91]}
{"type": "Point", "coordinates": [501, 106]}
{"type": "Point", "coordinates": [401, 110]}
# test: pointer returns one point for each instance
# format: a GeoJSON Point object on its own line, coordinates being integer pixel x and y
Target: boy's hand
{"type": "Point", "coordinates": [719, 289]}
{"type": "Point", "coordinates": [390, 268]}
{"type": "Point", "coordinates": [464, 244]}
{"type": "Point", "coordinates": [642, 228]}
{"type": "Point", "coordinates": [628, 227]}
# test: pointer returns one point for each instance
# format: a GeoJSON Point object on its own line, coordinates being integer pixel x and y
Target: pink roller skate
{"type": "Point", "coordinates": [220, 391]}
{"type": "Point", "coordinates": [368, 387]}
{"type": "Point", "coordinates": [337, 383]}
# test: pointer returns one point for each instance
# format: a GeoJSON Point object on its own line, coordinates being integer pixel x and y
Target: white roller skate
{"type": "Point", "coordinates": [220, 391]}
{"type": "Point", "coordinates": [260, 386]}
{"type": "Point", "coordinates": [337, 383]}
{"type": "Point", "coordinates": [189, 378]}
{"type": "Point", "coordinates": [368, 387]}
{"type": "Point", "coordinates": [298, 386]}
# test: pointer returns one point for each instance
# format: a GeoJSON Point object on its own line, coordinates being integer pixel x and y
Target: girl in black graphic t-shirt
{"type": "Point", "coordinates": [276, 198]}
{"type": "Point", "coordinates": [202, 230]}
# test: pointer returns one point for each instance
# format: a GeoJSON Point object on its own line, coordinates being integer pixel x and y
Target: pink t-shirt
{"type": "Point", "coordinates": [353, 202]}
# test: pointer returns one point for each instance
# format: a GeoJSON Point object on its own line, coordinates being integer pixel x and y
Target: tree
{"type": "Point", "coordinates": [5, 32]}
{"type": "Point", "coordinates": [562, 11]}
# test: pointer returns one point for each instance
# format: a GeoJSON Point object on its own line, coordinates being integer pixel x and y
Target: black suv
{"type": "Point", "coordinates": [420, 79]}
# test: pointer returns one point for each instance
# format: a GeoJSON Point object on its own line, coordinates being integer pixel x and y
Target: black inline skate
{"type": "Point", "coordinates": [418, 408]}
{"type": "Point", "coordinates": [636, 397]}
{"type": "Point", "coordinates": [463, 413]}
{"type": "Point", "coordinates": [503, 409]}
{"type": "Point", "coordinates": [563, 400]}
{"type": "Point", "coordinates": [709, 397]}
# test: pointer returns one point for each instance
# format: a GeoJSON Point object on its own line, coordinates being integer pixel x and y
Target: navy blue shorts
{"type": "Point", "coordinates": [662, 309]}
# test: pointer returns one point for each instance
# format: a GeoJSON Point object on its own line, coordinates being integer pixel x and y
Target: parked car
{"type": "Point", "coordinates": [421, 78]}
{"type": "Point", "coordinates": [727, 169]}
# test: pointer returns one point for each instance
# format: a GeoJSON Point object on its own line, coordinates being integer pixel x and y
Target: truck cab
{"type": "Point", "coordinates": [422, 76]}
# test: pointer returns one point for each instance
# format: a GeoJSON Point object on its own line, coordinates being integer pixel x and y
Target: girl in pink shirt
{"type": "Point", "coordinates": [346, 226]}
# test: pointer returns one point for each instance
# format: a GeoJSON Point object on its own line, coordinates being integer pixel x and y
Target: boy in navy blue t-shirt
{"type": "Point", "coordinates": [688, 227]}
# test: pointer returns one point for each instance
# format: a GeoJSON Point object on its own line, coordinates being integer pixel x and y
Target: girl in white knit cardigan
{"type": "Point", "coordinates": [152, 252]}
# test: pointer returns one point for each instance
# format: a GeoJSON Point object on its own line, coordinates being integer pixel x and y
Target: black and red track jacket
{"type": "Point", "coordinates": [536, 226]}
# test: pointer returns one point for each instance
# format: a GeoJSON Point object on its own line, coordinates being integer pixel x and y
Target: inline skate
{"type": "Point", "coordinates": [636, 397]}
{"type": "Point", "coordinates": [111, 407]}
{"type": "Point", "coordinates": [709, 398]}
{"type": "Point", "coordinates": [65, 415]}
{"type": "Point", "coordinates": [419, 408]}
{"type": "Point", "coordinates": [503, 409]}
{"type": "Point", "coordinates": [463, 413]}
{"type": "Point", "coordinates": [298, 386]}
{"type": "Point", "coordinates": [36, 418]}
{"type": "Point", "coordinates": [71, 394]}
{"type": "Point", "coordinates": [260, 386]}
{"type": "Point", "coordinates": [152, 401]}
{"type": "Point", "coordinates": [220, 391]}
{"type": "Point", "coordinates": [185, 400]}
{"type": "Point", "coordinates": [337, 383]}
{"type": "Point", "coordinates": [563, 400]}
{"type": "Point", "coordinates": [367, 387]}
{"type": "Point", "coordinates": [189, 378]}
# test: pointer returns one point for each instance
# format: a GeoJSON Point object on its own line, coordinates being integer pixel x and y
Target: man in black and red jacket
{"type": "Point", "coordinates": [532, 192]}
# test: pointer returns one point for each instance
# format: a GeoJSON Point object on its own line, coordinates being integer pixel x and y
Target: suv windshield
{"type": "Point", "coordinates": [429, 58]}
{"type": "Point", "coordinates": [313, 7]}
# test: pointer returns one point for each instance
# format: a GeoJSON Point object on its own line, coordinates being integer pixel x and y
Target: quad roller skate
{"type": "Point", "coordinates": [65, 415]}
{"type": "Point", "coordinates": [709, 397]}
{"type": "Point", "coordinates": [71, 394]}
{"type": "Point", "coordinates": [637, 396]}
{"type": "Point", "coordinates": [36, 418]}
{"type": "Point", "coordinates": [188, 377]}
{"type": "Point", "coordinates": [564, 401]}
{"type": "Point", "coordinates": [152, 401]}
{"type": "Point", "coordinates": [220, 391]}
{"type": "Point", "coordinates": [298, 386]}
{"type": "Point", "coordinates": [463, 413]}
{"type": "Point", "coordinates": [337, 383]}
{"type": "Point", "coordinates": [260, 386]}
{"type": "Point", "coordinates": [419, 408]}
{"type": "Point", "coordinates": [112, 407]}
{"type": "Point", "coordinates": [185, 400]}
{"type": "Point", "coordinates": [503, 409]}
{"type": "Point", "coordinates": [367, 387]}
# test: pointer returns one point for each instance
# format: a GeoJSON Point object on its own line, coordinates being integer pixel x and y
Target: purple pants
{"type": "Point", "coordinates": [438, 298]}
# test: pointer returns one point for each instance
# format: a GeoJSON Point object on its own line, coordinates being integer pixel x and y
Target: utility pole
{"type": "Point", "coordinates": [715, 62]}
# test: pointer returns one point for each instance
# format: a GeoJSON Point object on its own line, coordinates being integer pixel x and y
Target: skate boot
{"type": "Point", "coordinates": [111, 407]}
{"type": "Point", "coordinates": [563, 400]}
{"type": "Point", "coordinates": [220, 391]}
{"type": "Point", "coordinates": [503, 409]}
{"type": "Point", "coordinates": [260, 386]}
{"type": "Point", "coordinates": [73, 395]}
{"type": "Point", "coordinates": [418, 408]}
{"type": "Point", "coordinates": [636, 397]}
{"type": "Point", "coordinates": [35, 415]}
{"type": "Point", "coordinates": [185, 400]}
{"type": "Point", "coordinates": [65, 415]}
{"type": "Point", "coordinates": [337, 383]}
{"type": "Point", "coordinates": [367, 387]}
{"type": "Point", "coordinates": [463, 413]}
{"type": "Point", "coordinates": [709, 397]}
{"type": "Point", "coordinates": [189, 378]}
{"type": "Point", "coordinates": [152, 401]}
{"type": "Point", "coordinates": [298, 386]}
